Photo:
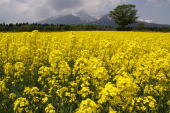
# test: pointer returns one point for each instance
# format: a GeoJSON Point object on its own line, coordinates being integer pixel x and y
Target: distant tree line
{"type": "Point", "coordinates": [21, 27]}
{"type": "Point", "coordinates": [26, 27]}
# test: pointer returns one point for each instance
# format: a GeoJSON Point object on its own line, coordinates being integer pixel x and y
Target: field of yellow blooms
{"type": "Point", "coordinates": [85, 72]}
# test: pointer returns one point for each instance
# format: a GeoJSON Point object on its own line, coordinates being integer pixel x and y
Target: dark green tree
{"type": "Point", "coordinates": [124, 14]}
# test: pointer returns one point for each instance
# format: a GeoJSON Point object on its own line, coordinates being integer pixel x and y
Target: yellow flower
{"type": "Point", "coordinates": [85, 91]}
{"type": "Point", "coordinates": [101, 73]}
{"type": "Point", "coordinates": [87, 106]}
{"type": "Point", "coordinates": [109, 91]}
{"type": "Point", "coordinates": [54, 57]}
{"type": "Point", "coordinates": [8, 69]}
{"type": "Point", "coordinates": [143, 103]}
{"type": "Point", "coordinates": [44, 100]}
{"type": "Point", "coordinates": [3, 88]}
{"type": "Point", "coordinates": [23, 53]}
{"type": "Point", "coordinates": [50, 109]}
{"type": "Point", "coordinates": [151, 104]}
{"type": "Point", "coordinates": [21, 104]}
{"type": "Point", "coordinates": [12, 96]}
{"type": "Point", "coordinates": [31, 91]}
{"type": "Point", "coordinates": [35, 99]}
{"type": "Point", "coordinates": [143, 108]}
{"type": "Point", "coordinates": [130, 109]}
{"type": "Point", "coordinates": [111, 110]}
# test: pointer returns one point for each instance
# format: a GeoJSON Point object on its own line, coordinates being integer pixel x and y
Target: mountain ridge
{"type": "Point", "coordinates": [86, 19]}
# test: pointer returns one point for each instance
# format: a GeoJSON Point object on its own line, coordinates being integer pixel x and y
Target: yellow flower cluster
{"type": "Point", "coordinates": [3, 88]}
{"type": "Point", "coordinates": [81, 72]}
{"type": "Point", "coordinates": [144, 104]}
{"type": "Point", "coordinates": [21, 105]}
{"type": "Point", "coordinates": [87, 106]}
{"type": "Point", "coordinates": [50, 109]}
{"type": "Point", "coordinates": [108, 93]}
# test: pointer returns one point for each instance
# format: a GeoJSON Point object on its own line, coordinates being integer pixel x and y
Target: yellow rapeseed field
{"type": "Point", "coordinates": [85, 72]}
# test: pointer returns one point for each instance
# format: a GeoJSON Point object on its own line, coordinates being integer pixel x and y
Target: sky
{"type": "Point", "coordinates": [12, 11]}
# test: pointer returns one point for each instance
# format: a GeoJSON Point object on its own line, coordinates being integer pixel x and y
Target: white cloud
{"type": "Point", "coordinates": [11, 10]}
{"type": "Point", "coordinates": [33, 10]}
{"type": "Point", "coordinates": [4, 1]}
{"type": "Point", "coordinates": [146, 20]}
